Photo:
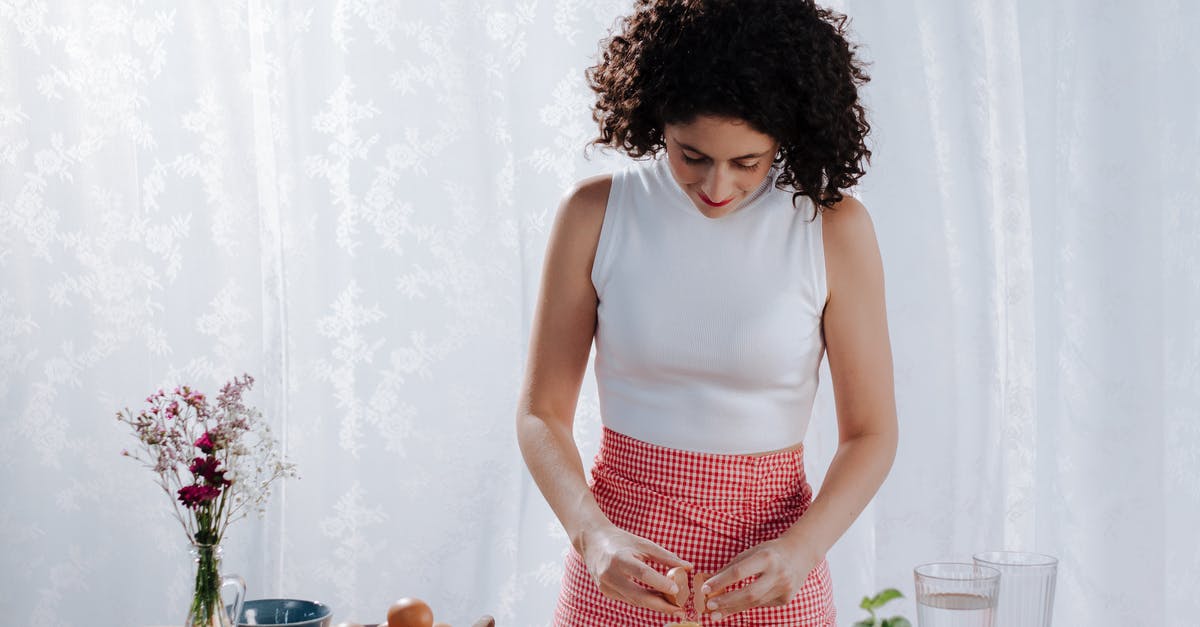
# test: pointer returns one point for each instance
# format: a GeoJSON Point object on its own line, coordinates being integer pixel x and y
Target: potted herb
{"type": "Point", "coordinates": [870, 604]}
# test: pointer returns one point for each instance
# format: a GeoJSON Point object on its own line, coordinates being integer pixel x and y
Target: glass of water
{"type": "Point", "coordinates": [956, 595]}
{"type": "Point", "coordinates": [1027, 580]}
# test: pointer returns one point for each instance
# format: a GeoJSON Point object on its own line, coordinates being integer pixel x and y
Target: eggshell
{"type": "Point", "coordinates": [698, 590]}
{"type": "Point", "coordinates": [680, 576]}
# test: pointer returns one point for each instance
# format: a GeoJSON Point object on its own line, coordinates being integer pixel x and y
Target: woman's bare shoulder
{"type": "Point", "coordinates": [588, 197]}
{"type": "Point", "coordinates": [581, 212]}
{"type": "Point", "coordinates": [852, 260]}
{"type": "Point", "coordinates": [847, 221]}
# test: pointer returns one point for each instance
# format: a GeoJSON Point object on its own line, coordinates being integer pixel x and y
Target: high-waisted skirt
{"type": "Point", "coordinates": [706, 508]}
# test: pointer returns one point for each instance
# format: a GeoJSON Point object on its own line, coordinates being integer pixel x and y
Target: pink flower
{"type": "Point", "coordinates": [205, 444]}
{"type": "Point", "coordinates": [206, 467]}
{"type": "Point", "coordinates": [223, 444]}
{"type": "Point", "coordinates": [194, 496]}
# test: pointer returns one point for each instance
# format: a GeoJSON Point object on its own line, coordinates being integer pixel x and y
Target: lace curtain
{"type": "Point", "coordinates": [351, 200]}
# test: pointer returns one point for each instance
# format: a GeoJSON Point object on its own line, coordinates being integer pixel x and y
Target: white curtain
{"type": "Point", "coordinates": [350, 201]}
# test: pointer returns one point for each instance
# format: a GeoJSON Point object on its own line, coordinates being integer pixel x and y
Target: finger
{"type": "Point", "coordinates": [649, 600]}
{"type": "Point", "coordinates": [642, 572]}
{"type": "Point", "coordinates": [741, 567]}
{"type": "Point", "coordinates": [624, 589]}
{"type": "Point", "coordinates": [650, 550]}
{"type": "Point", "coordinates": [757, 594]}
{"type": "Point", "coordinates": [697, 596]}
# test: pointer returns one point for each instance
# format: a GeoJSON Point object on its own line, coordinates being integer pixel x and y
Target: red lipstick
{"type": "Point", "coordinates": [709, 201]}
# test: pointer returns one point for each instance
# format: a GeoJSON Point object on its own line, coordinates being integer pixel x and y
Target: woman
{"type": "Point", "coordinates": [713, 281]}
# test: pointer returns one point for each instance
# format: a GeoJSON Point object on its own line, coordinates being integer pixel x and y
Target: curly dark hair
{"type": "Point", "coordinates": [786, 67]}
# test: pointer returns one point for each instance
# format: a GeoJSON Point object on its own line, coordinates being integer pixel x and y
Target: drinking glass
{"type": "Point", "coordinates": [1027, 583]}
{"type": "Point", "coordinates": [956, 595]}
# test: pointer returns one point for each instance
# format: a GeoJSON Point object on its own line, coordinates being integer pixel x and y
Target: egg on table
{"type": "Point", "coordinates": [408, 612]}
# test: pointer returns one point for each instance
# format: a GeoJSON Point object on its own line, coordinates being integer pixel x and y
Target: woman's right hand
{"type": "Point", "coordinates": [616, 560]}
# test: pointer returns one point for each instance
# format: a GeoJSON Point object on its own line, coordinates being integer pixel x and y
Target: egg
{"type": "Point", "coordinates": [679, 575]}
{"type": "Point", "coordinates": [410, 613]}
{"type": "Point", "coordinates": [441, 625]}
{"type": "Point", "coordinates": [698, 589]}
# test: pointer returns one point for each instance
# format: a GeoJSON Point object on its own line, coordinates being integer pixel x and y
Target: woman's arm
{"type": "Point", "coordinates": [563, 327]}
{"type": "Point", "coordinates": [561, 338]}
{"type": "Point", "coordinates": [860, 362]}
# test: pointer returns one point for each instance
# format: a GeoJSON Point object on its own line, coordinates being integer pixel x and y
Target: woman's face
{"type": "Point", "coordinates": [718, 161]}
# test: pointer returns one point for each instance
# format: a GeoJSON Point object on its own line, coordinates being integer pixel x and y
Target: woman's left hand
{"type": "Point", "coordinates": [780, 567]}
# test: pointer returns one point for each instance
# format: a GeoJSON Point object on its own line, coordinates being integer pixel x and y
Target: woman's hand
{"type": "Point", "coordinates": [780, 567]}
{"type": "Point", "coordinates": [616, 559]}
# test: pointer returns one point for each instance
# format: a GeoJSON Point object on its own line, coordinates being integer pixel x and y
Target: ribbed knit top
{"type": "Point", "coordinates": [708, 329]}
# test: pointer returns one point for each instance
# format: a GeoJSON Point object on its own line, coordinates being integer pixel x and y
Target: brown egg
{"type": "Point", "coordinates": [680, 576]}
{"type": "Point", "coordinates": [700, 598]}
{"type": "Point", "coordinates": [410, 613]}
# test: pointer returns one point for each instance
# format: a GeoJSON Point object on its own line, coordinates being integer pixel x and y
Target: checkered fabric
{"type": "Point", "coordinates": [706, 508]}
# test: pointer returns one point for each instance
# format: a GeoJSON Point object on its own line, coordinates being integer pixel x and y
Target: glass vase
{"type": "Point", "coordinates": [207, 609]}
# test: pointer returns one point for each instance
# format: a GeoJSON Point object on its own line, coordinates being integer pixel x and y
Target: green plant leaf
{"type": "Point", "coordinates": [897, 621]}
{"type": "Point", "coordinates": [885, 596]}
{"type": "Point", "coordinates": [866, 604]}
{"type": "Point", "coordinates": [866, 622]}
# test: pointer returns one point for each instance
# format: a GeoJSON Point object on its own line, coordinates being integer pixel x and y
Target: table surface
{"type": "Point", "coordinates": [363, 624]}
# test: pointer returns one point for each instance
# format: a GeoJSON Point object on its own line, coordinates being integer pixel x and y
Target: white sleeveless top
{"type": "Point", "coordinates": [708, 330]}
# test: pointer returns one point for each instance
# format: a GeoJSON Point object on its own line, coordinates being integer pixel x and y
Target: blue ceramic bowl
{"type": "Point", "coordinates": [285, 613]}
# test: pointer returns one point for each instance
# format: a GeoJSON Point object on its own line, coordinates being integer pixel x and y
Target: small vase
{"type": "Point", "coordinates": [207, 609]}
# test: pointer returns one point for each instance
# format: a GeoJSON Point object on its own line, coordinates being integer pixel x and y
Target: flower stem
{"type": "Point", "coordinates": [206, 598]}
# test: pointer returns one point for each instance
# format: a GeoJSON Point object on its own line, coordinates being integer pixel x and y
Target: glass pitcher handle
{"type": "Point", "coordinates": [237, 581]}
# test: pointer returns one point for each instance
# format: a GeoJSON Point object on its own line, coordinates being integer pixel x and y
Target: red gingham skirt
{"type": "Point", "coordinates": [704, 507]}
